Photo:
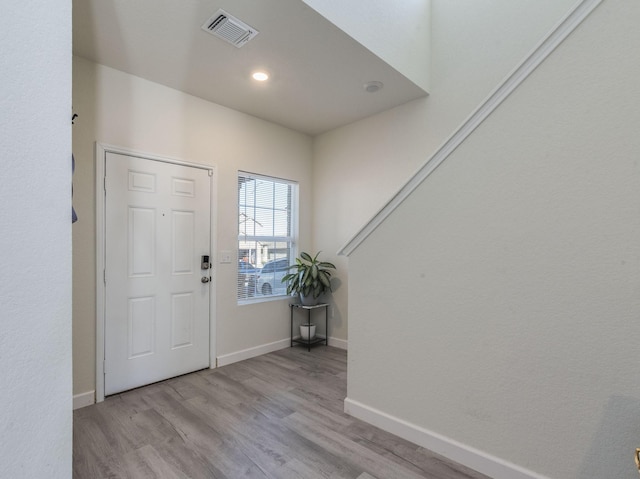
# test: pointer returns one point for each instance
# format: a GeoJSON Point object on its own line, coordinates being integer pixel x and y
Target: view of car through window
{"type": "Point", "coordinates": [270, 277]}
{"type": "Point", "coordinates": [265, 281]}
{"type": "Point", "coordinates": [247, 273]}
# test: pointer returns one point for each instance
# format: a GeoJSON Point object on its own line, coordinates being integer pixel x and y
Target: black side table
{"type": "Point", "coordinates": [317, 339]}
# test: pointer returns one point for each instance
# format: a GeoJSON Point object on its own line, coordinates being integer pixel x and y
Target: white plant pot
{"type": "Point", "coordinates": [307, 332]}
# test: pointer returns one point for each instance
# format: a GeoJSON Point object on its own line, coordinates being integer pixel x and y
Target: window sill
{"type": "Point", "coordinates": [263, 299]}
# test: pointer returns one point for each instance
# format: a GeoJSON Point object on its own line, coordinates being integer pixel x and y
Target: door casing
{"type": "Point", "coordinates": [101, 152]}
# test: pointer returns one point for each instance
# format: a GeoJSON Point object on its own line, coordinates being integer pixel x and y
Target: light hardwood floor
{"type": "Point", "coordinates": [274, 416]}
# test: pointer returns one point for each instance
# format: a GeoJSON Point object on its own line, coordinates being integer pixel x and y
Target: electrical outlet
{"type": "Point", "coordinates": [225, 257]}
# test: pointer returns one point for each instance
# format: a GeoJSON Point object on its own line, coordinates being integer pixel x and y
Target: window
{"type": "Point", "coordinates": [267, 229]}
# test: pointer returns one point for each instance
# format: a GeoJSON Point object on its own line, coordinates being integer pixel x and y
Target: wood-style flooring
{"type": "Point", "coordinates": [274, 416]}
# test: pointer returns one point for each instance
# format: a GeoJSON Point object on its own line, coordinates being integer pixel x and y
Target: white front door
{"type": "Point", "coordinates": [157, 222]}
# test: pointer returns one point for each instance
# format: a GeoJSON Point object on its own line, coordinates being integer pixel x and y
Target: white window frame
{"type": "Point", "coordinates": [292, 239]}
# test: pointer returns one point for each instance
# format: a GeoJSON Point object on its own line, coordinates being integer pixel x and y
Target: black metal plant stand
{"type": "Point", "coordinates": [309, 342]}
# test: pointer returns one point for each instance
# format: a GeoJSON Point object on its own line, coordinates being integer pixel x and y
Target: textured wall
{"type": "Point", "coordinates": [359, 167]}
{"type": "Point", "coordinates": [35, 239]}
{"type": "Point", "coordinates": [507, 310]}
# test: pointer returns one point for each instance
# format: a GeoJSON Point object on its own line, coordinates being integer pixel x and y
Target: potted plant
{"type": "Point", "coordinates": [309, 279]}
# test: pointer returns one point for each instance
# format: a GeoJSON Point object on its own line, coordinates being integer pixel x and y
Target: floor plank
{"type": "Point", "coordinates": [276, 416]}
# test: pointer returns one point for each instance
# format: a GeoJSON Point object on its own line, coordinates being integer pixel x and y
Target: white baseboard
{"type": "Point", "coordinates": [475, 459]}
{"type": "Point", "coordinates": [84, 399]}
{"type": "Point", "coordinates": [334, 342]}
{"type": "Point", "coordinates": [268, 348]}
{"type": "Point", "coordinates": [252, 352]}
{"type": "Point", "coordinates": [338, 343]}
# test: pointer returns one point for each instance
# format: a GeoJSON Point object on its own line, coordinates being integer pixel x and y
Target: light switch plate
{"type": "Point", "coordinates": [225, 257]}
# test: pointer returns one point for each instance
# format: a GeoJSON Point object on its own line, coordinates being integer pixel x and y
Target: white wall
{"type": "Point", "coordinates": [507, 309]}
{"type": "Point", "coordinates": [35, 239]}
{"type": "Point", "coordinates": [397, 32]}
{"type": "Point", "coordinates": [358, 168]}
{"type": "Point", "coordinates": [122, 110]}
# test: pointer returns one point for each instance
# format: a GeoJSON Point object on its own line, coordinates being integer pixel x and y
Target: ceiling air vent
{"type": "Point", "coordinates": [229, 28]}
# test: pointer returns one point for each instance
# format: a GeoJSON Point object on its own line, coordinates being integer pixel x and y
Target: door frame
{"type": "Point", "coordinates": [101, 150]}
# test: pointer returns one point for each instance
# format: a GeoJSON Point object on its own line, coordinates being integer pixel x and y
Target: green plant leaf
{"type": "Point", "coordinates": [324, 279]}
{"type": "Point", "coordinates": [326, 264]}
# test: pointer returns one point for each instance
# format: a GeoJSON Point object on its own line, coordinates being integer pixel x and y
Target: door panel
{"type": "Point", "coordinates": [157, 309]}
{"type": "Point", "coordinates": [141, 331]}
{"type": "Point", "coordinates": [182, 244]}
{"type": "Point", "coordinates": [142, 245]}
{"type": "Point", "coordinates": [182, 320]}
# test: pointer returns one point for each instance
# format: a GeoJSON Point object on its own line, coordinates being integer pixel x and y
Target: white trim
{"type": "Point", "coordinates": [475, 459]}
{"type": "Point", "coordinates": [104, 148]}
{"type": "Point", "coordinates": [84, 399]}
{"type": "Point", "coordinates": [338, 343]}
{"type": "Point", "coordinates": [561, 31]}
{"type": "Point", "coordinates": [100, 159]}
{"type": "Point", "coordinates": [213, 292]}
{"type": "Point", "coordinates": [249, 353]}
{"type": "Point", "coordinates": [333, 342]}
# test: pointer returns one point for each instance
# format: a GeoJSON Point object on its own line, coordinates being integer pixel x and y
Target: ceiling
{"type": "Point", "coordinates": [317, 71]}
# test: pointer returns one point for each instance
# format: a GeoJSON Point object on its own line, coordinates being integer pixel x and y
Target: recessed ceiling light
{"type": "Point", "coordinates": [260, 76]}
{"type": "Point", "coordinates": [373, 86]}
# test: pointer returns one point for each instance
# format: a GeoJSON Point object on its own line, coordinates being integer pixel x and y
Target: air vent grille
{"type": "Point", "coordinates": [229, 28]}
